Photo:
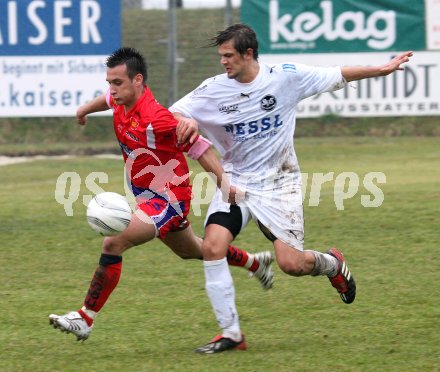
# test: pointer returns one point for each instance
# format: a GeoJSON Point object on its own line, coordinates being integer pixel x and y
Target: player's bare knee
{"type": "Point", "coordinates": [113, 245]}
{"type": "Point", "coordinates": [109, 246]}
{"type": "Point", "coordinates": [212, 250]}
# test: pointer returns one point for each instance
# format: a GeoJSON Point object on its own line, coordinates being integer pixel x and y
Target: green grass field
{"type": "Point", "coordinates": [159, 313]}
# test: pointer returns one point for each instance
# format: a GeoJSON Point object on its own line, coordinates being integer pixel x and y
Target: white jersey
{"type": "Point", "coordinates": [252, 126]}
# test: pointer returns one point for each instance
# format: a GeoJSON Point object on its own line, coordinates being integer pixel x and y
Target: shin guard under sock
{"type": "Point", "coordinates": [104, 281]}
{"type": "Point", "coordinates": [241, 258]}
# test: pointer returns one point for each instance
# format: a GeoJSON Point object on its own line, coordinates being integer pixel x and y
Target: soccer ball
{"type": "Point", "coordinates": [108, 213]}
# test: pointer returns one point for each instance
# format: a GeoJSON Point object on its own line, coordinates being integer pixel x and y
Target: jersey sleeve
{"type": "Point", "coordinates": [185, 105]}
{"type": "Point", "coordinates": [162, 135]}
{"type": "Point", "coordinates": [311, 80]}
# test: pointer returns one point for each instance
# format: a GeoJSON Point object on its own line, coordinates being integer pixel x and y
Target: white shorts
{"type": "Point", "coordinates": [280, 213]}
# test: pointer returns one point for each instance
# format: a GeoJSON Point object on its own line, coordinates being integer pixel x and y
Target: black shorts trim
{"type": "Point", "coordinates": [232, 220]}
{"type": "Point", "coordinates": [266, 232]}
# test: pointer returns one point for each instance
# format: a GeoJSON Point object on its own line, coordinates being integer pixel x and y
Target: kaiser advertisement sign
{"type": "Point", "coordinates": [53, 52]}
{"type": "Point", "coordinates": [344, 32]}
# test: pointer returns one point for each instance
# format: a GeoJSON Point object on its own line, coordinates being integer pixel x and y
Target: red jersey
{"type": "Point", "coordinates": [154, 161]}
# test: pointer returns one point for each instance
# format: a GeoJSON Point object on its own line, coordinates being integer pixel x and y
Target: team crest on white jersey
{"type": "Point", "coordinates": [268, 103]}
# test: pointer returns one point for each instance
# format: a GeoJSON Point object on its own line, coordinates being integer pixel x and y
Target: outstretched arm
{"type": "Point", "coordinates": [95, 105]}
{"type": "Point", "coordinates": [351, 73]}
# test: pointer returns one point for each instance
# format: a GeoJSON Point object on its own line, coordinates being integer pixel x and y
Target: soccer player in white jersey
{"type": "Point", "coordinates": [249, 114]}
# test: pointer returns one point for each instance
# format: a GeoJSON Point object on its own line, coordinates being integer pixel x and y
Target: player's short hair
{"type": "Point", "coordinates": [244, 38]}
{"type": "Point", "coordinates": [135, 61]}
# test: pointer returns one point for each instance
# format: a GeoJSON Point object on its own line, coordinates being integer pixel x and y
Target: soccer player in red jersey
{"type": "Point", "coordinates": [159, 179]}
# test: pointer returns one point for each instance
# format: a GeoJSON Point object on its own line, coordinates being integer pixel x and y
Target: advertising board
{"type": "Point", "coordinates": [52, 54]}
{"type": "Point", "coordinates": [411, 92]}
{"type": "Point", "coordinates": [346, 32]}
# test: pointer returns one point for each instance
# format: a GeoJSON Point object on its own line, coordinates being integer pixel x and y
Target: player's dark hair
{"type": "Point", "coordinates": [244, 38]}
{"type": "Point", "coordinates": [134, 61]}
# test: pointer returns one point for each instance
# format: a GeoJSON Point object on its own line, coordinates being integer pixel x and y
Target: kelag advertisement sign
{"type": "Point", "coordinates": [348, 32]}
{"type": "Point", "coordinates": [52, 54]}
{"type": "Point", "coordinates": [316, 26]}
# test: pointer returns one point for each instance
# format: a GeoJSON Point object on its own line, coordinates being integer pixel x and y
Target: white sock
{"type": "Point", "coordinates": [221, 292]}
{"type": "Point", "coordinates": [90, 313]}
{"type": "Point", "coordinates": [325, 264]}
{"type": "Point", "coordinates": [250, 261]}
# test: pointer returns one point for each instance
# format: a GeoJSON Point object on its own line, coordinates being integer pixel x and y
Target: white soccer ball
{"type": "Point", "coordinates": [108, 213]}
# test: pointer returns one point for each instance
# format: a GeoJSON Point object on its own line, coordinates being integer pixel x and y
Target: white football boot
{"type": "Point", "coordinates": [264, 272]}
{"type": "Point", "coordinates": [71, 323]}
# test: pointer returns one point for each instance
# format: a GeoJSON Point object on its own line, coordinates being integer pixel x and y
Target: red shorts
{"type": "Point", "coordinates": [166, 216]}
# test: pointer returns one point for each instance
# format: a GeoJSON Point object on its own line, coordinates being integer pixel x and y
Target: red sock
{"type": "Point", "coordinates": [104, 281]}
{"type": "Point", "coordinates": [239, 257]}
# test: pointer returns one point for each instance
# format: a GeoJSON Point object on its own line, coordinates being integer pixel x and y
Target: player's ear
{"type": "Point", "coordinates": [139, 80]}
{"type": "Point", "coordinates": [249, 53]}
